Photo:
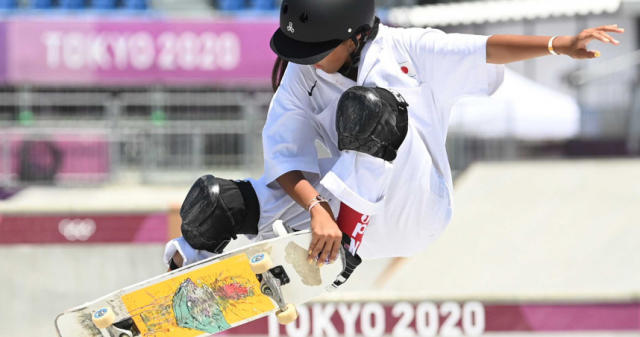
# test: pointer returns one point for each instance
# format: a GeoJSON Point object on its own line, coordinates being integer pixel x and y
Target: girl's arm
{"type": "Point", "coordinates": [502, 49]}
{"type": "Point", "coordinates": [326, 235]}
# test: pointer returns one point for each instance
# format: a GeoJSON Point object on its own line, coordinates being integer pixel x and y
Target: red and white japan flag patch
{"type": "Point", "coordinates": [408, 69]}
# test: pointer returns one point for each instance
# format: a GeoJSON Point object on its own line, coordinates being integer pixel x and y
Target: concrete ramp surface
{"type": "Point", "coordinates": [565, 230]}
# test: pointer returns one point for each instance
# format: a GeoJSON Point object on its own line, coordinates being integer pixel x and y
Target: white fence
{"type": "Point", "coordinates": [79, 137]}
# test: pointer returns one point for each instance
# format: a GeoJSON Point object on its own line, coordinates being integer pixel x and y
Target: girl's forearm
{"type": "Point", "coordinates": [296, 186]}
{"type": "Point", "coordinates": [502, 49]}
{"type": "Point", "coordinates": [326, 235]}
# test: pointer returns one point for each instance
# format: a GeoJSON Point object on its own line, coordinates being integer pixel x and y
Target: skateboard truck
{"type": "Point", "coordinates": [271, 279]}
{"type": "Point", "coordinates": [104, 319]}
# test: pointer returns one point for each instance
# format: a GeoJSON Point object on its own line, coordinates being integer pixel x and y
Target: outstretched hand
{"type": "Point", "coordinates": [576, 46]}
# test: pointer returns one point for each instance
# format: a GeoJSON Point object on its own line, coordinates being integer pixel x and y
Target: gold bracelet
{"type": "Point", "coordinates": [550, 46]}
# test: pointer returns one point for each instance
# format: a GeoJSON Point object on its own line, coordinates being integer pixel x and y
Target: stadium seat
{"type": "Point", "coordinates": [42, 4]}
{"type": "Point", "coordinates": [135, 4]}
{"type": "Point", "coordinates": [103, 4]}
{"type": "Point", "coordinates": [8, 4]}
{"type": "Point", "coordinates": [71, 4]}
{"type": "Point", "coordinates": [263, 4]}
{"type": "Point", "coordinates": [230, 5]}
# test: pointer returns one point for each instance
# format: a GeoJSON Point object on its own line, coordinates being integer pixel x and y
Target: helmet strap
{"type": "Point", "coordinates": [366, 33]}
{"type": "Point", "coordinates": [356, 42]}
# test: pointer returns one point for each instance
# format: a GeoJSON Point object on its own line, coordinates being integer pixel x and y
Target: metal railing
{"type": "Point", "coordinates": [75, 137]}
{"type": "Point", "coordinates": [71, 136]}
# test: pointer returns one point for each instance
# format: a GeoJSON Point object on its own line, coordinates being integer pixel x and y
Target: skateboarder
{"type": "Point", "coordinates": [378, 99]}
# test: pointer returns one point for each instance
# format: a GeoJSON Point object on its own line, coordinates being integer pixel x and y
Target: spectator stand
{"type": "Point", "coordinates": [250, 9]}
{"type": "Point", "coordinates": [247, 8]}
{"type": "Point", "coordinates": [54, 7]}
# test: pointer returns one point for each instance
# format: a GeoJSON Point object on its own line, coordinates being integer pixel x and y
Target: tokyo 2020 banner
{"type": "Point", "coordinates": [3, 53]}
{"type": "Point", "coordinates": [137, 52]}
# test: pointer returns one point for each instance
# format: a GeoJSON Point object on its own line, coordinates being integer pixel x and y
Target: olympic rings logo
{"type": "Point", "coordinates": [77, 229]}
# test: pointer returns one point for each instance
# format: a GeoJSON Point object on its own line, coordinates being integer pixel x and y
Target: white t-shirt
{"type": "Point", "coordinates": [409, 200]}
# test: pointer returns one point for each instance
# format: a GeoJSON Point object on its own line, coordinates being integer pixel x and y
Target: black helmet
{"type": "Point", "coordinates": [311, 29]}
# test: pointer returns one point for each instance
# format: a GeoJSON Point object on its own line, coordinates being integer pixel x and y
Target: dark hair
{"type": "Point", "coordinates": [279, 67]}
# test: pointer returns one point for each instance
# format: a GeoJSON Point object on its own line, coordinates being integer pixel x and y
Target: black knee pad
{"type": "Point", "coordinates": [215, 210]}
{"type": "Point", "coordinates": [372, 121]}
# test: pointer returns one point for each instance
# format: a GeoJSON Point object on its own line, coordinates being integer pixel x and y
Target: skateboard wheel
{"type": "Point", "coordinates": [103, 318]}
{"type": "Point", "coordinates": [288, 315]}
{"type": "Point", "coordinates": [260, 263]}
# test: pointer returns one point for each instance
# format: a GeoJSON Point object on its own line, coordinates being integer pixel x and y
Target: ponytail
{"type": "Point", "coordinates": [279, 67]}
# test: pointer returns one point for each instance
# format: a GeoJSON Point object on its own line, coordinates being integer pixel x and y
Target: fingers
{"type": "Point", "coordinates": [592, 54]}
{"type": "Point", "coordinates": [602, 33]}
{"type": "Point", "coordinates": [600, 36]}
{"type": "Point", "coordinates": [335, 251]}
{"type": "Point", "coordinates": [324, 250]}
{"type": "Point", "coordinates": [330, 252]}
{"type": "Point", "coordinates": [323, 257]}
{"type": "Point", "coordinates": [317, 244]}
{"type": "Point", "coordinates": [586, 54]}
{"type": "Point", "coordinates": [611, 38]}
{"type": "Point", "coordinates": [606, 38]}
{"type": "Point", "coordinates": [611, 28]}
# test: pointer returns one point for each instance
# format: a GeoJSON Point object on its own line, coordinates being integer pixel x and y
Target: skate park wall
{"type": "Point", "coordinates": [62, 247]}
{"type": "Point", "coordinates": [534, 247]}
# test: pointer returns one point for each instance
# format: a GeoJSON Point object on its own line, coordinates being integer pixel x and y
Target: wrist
{"type": "Point", "coordinates": [318, 210]}
{"type": "Point", "coordinates": [561, 44]}
{"type": "Point", "coordinates": [316, 201]}
{"type": "Point", "coordinates": [321, 210]}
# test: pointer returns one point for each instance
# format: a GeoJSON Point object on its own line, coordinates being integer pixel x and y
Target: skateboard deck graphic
{"type": "Point", "coordinates": [207, 297]}
{"type": "Point", "coordinates": [222, 295]}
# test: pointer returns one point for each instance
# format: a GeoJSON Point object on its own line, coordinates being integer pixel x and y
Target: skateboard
{"type": "Point", "coordinates": [215, 294]}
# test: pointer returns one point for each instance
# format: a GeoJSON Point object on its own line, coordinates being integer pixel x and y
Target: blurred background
{"type": "Point", "coordinates": [109, 109]}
